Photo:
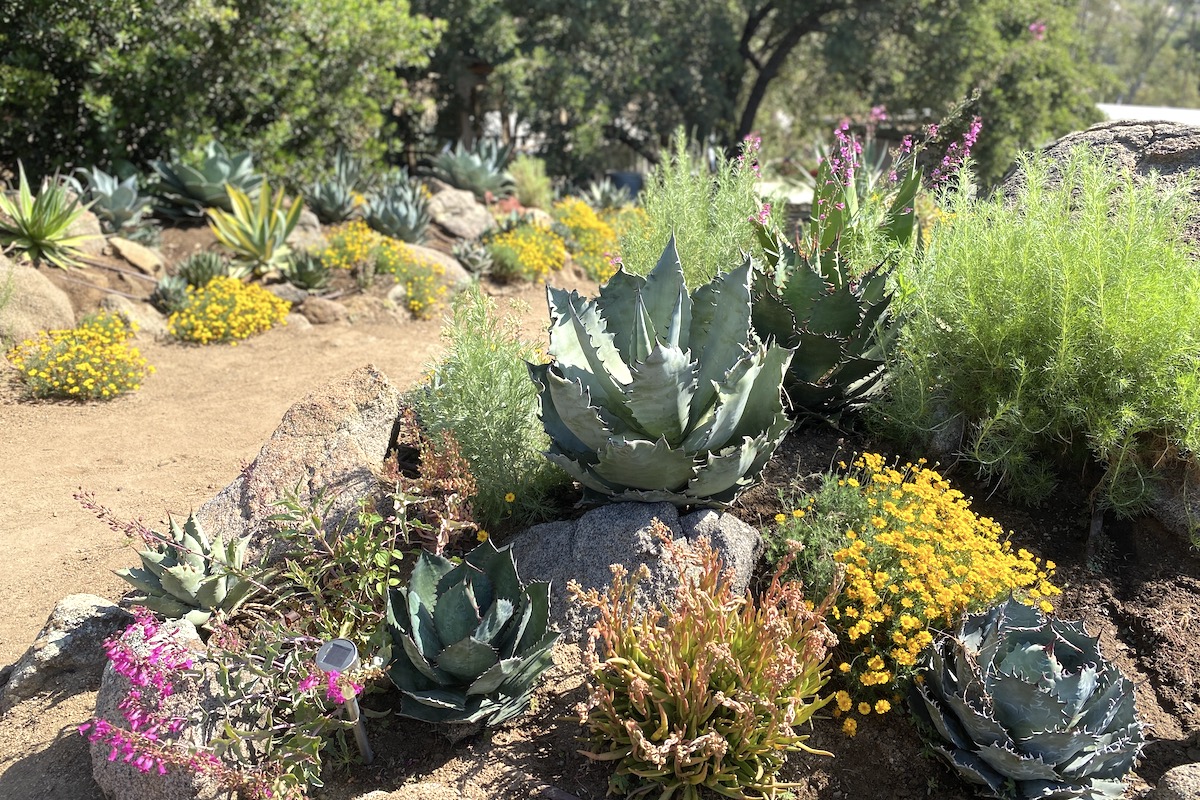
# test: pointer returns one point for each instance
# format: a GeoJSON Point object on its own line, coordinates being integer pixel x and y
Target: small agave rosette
{"type": "Point", "coordinates": [469, 640]}
{"type": "Point", "coordinates": [1026, 706]}
{"type": "Point", "coordinates": [658, 395]}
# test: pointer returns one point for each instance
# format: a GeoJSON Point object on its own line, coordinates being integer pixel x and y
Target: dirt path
{"type": "Point", "coordinates": [166, 448]}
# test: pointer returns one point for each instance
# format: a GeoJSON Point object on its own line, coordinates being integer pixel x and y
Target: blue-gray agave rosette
{"type": "Point", "coordinates": [469, 640]}
{"type": "Point", "coordinates": [655, 394]}
{"type": "Point", "coordinates": [1025, 706]}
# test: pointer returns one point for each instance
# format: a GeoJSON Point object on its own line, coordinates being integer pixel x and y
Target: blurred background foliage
{"type": "Point", "coordinates": [590, 85]}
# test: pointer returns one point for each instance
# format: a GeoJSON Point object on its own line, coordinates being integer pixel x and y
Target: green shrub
{"type": "Point", "coordinates": [89, 362]}
{"type": "Point", "coordinates": [481, 393]}
{"type": "Point", "coordinates": [1058, 326]}
{"type": "Point", "coordinates": [710, 215]}
{"type": "Point", "coordinates": [532, 186]}
{"type": "Point", "coordinates": [707, 695]}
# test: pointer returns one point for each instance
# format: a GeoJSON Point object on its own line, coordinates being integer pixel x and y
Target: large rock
{"type": "Point", "coordinates": [320, 311]}
{"type": "Point", "coordinates": [30, 302]}
{"type": "Point", "coordinates": [1179, 783]}
{"type": "Point", "coordinates": [460, 214]}
{"type": "Point", "coordinates": [333, 441]}
{"type": "Point", "coordinates": [620, 533]}
{"type": "Point", "coordinates": [72, 641]}
{"type": "Point", "coordinates": [122, 780]}
{"type": "Point", "coordinates": [1164, 150]}
{"type": "Point", "coordinates": [453, 273]}
{"type": "Point", "coordinates": [149, 320]}
{"type": "Point", "coordinates": [307, 233]}
{"type": "Point", "coordinates": [88, 224]}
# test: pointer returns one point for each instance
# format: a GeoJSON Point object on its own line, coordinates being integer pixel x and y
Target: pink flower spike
{"type": "Point", "coordinates": [1037, 30]}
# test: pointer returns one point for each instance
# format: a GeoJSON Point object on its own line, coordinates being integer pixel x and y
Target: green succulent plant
{"type": "Point", "coordinates": [306, 271]}
{"type": "Point", "coordinates": [400, 209]}
{"type": "Point", "coordinates": [837, 325]}
{"type": "Point", "coordinates": [480, 169]}
{"type": "Point", "coordinates": [1025, 706]}
{"type": "Point", "coordinates": [475, 257]}
{"type": "Point", "coordinates": [116, 201]}
{"type": "Point", "coordinates": [170, 293]}
{"type": "Point", "coordinates": [810, 299]}
{"type": "Point", "coordinates": [200, 268]}
{"type": "Point", "coordinates": [189, 577]}
{"type": "Point", "coordinates": [185, 192]}
{"type": "Point", "coordinates": [40, 226]}
{"type": "Point", "coordinates": [469, 640]}
{"type": "Point", "coordinates": [337, 197]}
{"type": "Point", "coordinates": [604, 195]}
{"type": "Point", "coordinates": [256, 232]}
{"type": "Point", "coordinates": [657, 395]}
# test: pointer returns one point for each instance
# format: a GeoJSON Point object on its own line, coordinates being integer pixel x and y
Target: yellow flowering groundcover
{"type": "Point", "coordinates": [528, 252]}
{"type": "Point", "coordinates": [226, 310]}
{"type": "Point", "coordinates": [356, 248]}
{"type": "Point", "coordinates": [90, 362]}
{"type": "Point", "coordinates": [594, 242]}
{"type": "Point", "coordinates": [913, 557]}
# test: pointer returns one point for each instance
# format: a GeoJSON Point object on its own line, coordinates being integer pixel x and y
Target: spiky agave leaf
{"type": "Point", "coordinates": [1027, 706]}
{"type": "Point", "coordinates": [660, 395]}
{"type": "Point", "coordinates": [469, 640]}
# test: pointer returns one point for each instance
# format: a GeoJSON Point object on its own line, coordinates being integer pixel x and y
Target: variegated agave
{"type": "Point", "coordinates": [655, 394]}
{"type": "Point", "coordinates": [1025, 706]}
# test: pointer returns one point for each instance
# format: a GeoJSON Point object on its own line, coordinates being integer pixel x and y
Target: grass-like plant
{"type": "Point", "coordinates": [481, 393]}
{"type": "Point", "coordinates": [914, 557]}
{"type": "Point", "coordinates": [1059, 326]}
{"type": "Point", "coordinates": [39, 226]}
{"type": "Point", "coordinates": [706, 697]}
{"type": "Point", "coordinates": [226, 310]}
{"type": "Point", "coordinates": [256, 233]}
{"type": "Point", "coordinates": [712, 215]}
{"type": "Point", "coordinates": [92, 361]}
{"type": "Point", "coordinates": [531, 185]}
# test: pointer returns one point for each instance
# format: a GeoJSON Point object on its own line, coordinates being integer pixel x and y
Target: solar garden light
{"type": "Point", "coordinates": [341, 656]}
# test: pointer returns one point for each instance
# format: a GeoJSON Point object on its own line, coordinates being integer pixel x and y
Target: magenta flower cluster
{"type": "Point", "coordinates": [149, 677]}
{"type": "Point", "coordinates": [956, 153]}
{"type": "Point", "coordinates": [1037, 30]}
{"type": "Point", "coordinates": [751, 146]}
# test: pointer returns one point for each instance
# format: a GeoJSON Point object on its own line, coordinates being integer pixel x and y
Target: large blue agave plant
{"type": "Point", "coordinates": [655, 394]}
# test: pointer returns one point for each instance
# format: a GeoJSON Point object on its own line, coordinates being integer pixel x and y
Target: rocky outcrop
{"type": "Point", "coordinates": [583, 550]}
{"type": "Point", "coordinates": [71, 642]}
{"type": "Point", "coordinates": [1179, 783]}
{"type": "Point", "coordinates": [333, 442]}
{"type": "Point", "coordinates": [30, 302]}
{"type": "Point", "coordinates": [458, 213]}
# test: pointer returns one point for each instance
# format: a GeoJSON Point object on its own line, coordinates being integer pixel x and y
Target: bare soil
{"type": "Point", "coordinates": [205, 413]}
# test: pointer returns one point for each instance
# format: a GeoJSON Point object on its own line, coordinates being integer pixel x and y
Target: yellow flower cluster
{"type": "Point", "coordinates": [226, 310]}
{"type": "Point", "coordinates": [89, 362]}
{"type": "Point", "coordinates": [923, 559]}
{"type": "Point", "coordinates": [350, 246]}
{"type": "Point", "coordinates": [594, 239]}
{"type": "Point", "coordinates": [623, 220]}
{"type": "Point", "coordinates": [527, 252]}
{"type": "Point", "coordinates": [420, 275]}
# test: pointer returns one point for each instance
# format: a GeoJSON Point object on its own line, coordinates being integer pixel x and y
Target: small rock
{"type": "Point", "coordinates": [1179, 783]}
{"type": "Point", "coordinates": [72, 640]}
{"type": "Point", "coordinates": [150, 320]}
{"type": "Point", "coordinates": [297, 322]}
{"type": "Point", "coordinates": [143, 258]}
{"type": "Point", "coordinates": [285, 291]}
{"type": "Point", "coordinates": [320, 311]}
